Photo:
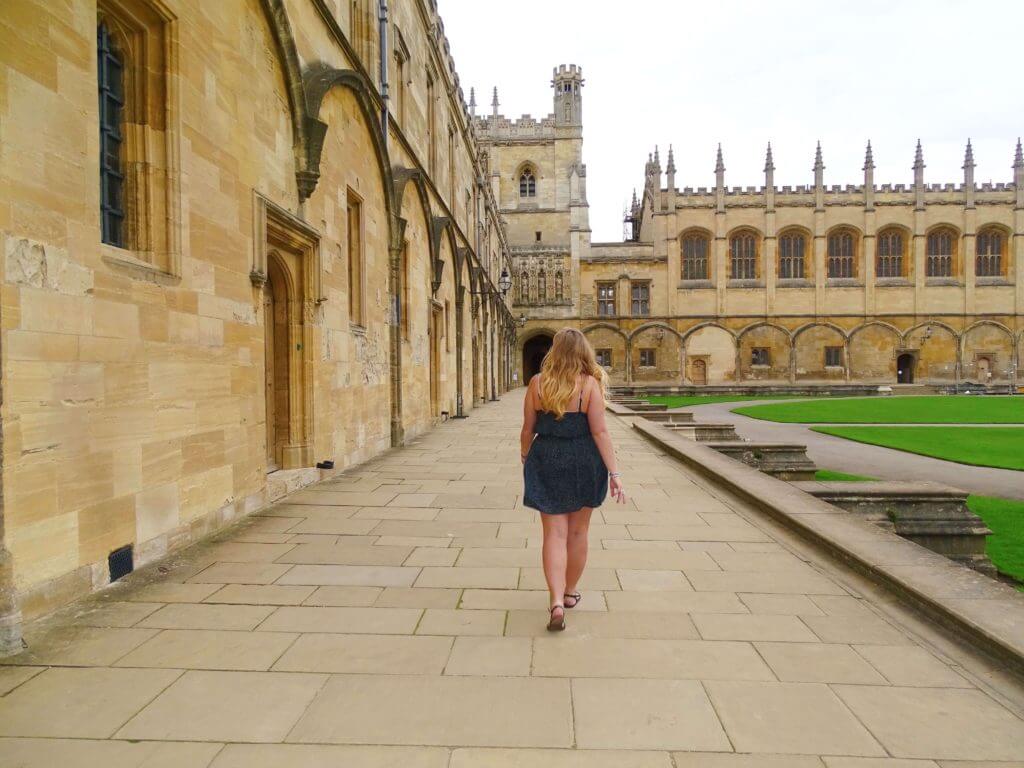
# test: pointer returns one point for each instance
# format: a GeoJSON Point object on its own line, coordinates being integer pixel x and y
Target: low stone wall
{"type": "Point", "coordinates": [932, 515]}
{"type": "Point", "coordinates": [786, 461]}
{"type": "Point", "coordinates": [705, 432]}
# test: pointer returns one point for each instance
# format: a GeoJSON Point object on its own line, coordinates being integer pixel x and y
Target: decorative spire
{"type": "Point", "coordinates": [968, 156]}
{"type": "Point", "coordinates": [719, 164]}
{"type": "Point", "coordinates": [657, 159]}
{"type": "Point", "coordinates": [635, 205]}
{"type": "Point", "coordinates": [494, 102]}
{"type": "Point", "coordinates": [769, 162]}
{"type": "Point", "coordinates": [869, 159]}
{"type": "Point", "coordinates": [671, 160]}
{"type": "Point", "coordinates": [1018, 160]}
{"type": "Point", "coordinates": [919, 157]}
{"type": "Point", "coordinates": [818, 164]}
{"type": "Point", "coordinates": [472, 101]}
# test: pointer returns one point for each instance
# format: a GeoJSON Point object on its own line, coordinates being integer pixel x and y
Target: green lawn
{"type": "Point", "coordinates": [1005, 546]}
{"type": "Point", "coordinates": [678, 401]}
{"type": "Point", "coordinates": [1001, 447]}
{"type": "Point", "coordinates": [830, 475]}
{"type": "Point", "coordinates": [939, 409]}
{"type": "Point", "coordinates": [1005, 517]}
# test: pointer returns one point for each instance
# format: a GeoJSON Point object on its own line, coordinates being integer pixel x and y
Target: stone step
{"type": "Point", "coordinates": [786, 461]}
{"type": "Point", "coordinates": [933, 515]}
{"type": "Point", "coordinates": [668, 417]}
{"type": "Point", "coordinates": [706, 432]}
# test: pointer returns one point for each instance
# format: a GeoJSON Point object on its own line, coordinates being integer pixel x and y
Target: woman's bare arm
{"type": "Point", "coordinates": [598, 427]}
{"type": "Point", "coordinates": [529, 419]}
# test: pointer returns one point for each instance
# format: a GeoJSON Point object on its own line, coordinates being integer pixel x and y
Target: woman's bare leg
{"type": "Point", "coordinates": [577, 544]}
{"type": "Point", "coordinates": [556, 529]}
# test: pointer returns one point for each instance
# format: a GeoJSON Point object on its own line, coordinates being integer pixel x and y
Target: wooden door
{"type": "Point", "coordinates": [699, 372]}
{"type": "Point", "coordinates": [984, 366]}
{"type": "Point", "coordinates": [269, 377]}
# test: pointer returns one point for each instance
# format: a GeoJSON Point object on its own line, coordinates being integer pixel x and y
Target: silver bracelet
{"type": "Point", "coordinates": [614, 474]}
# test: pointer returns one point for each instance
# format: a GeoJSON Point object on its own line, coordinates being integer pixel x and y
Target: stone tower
{"type": "Point", "coordinates": [568, 85]}
{"type": "Point", "coordinates": [539, 179]}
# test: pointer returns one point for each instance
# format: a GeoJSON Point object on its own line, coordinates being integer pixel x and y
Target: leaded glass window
{"type": "Point", "coordinates": [890, 254]}
{"type": "Point", "coordinates": [695, 257]}
{"type": "Point", "coordinates": [989, 253]}
{"type": "Point", "coordinates": [791, 256]}
{"type": "Point", "coordinates": [840, 255]}
{"type": "Point", "coordinates": [641, 298]}
{"type": "Point", "coordinates": [743, 256]}
{"type": "Point", "coordinates": [527, 184]}
{"type": "Point", "coordinates": [110, 74]}
{"type": "Point", "coordinates": [939, 254]}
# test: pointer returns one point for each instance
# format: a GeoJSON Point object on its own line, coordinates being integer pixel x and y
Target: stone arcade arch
{"type": "Point", "coordinates": [874, 349]}
{"type": "Point", "coordinates": [711, 354]}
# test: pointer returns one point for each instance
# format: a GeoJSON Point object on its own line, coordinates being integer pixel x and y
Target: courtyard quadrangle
{"type": "Point", "coordinates": [395, 616]}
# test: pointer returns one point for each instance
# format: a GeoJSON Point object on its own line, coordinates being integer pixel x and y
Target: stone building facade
{"type": "Point", "coordinates": [234, 246]}
{"type": "Point", "coordinates": [864, 284]}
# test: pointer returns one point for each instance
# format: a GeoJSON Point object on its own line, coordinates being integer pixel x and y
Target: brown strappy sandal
{"type": "Point", "coordinates": [576, 597]}
{"type": "Point", "coordinates": [556, 625]}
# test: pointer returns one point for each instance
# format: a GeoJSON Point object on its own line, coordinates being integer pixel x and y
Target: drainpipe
{"type": "Point", "coordinates": [10, 616]}
{"type": "Point", "coordinates": [382, 18]}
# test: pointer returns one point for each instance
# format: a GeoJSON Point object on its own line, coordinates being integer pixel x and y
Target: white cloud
{"type": "Point", "coordinates": [745, 72]}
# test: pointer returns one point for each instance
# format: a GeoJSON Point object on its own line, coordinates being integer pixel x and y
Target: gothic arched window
{"type": "Point", "coordinates": [988, 250]}
{"type": "Point", "coordinates": [743, 256]}
{"type": "Point", "coordinates": [841, 254]}
{"type": "Point", "coordinates": [694, 251]}
{"type": "Point", "coordinates": [792, 248]}
{"type": "Point", "coordinates": [527, 183]}
{"type": "Point", "coordinates": [890, 253]}
{"type": "Point", "coordinates": [559, 288]}
{"type": "Point", "coordinates": [542, 286]}
{"type": "Point", "coordinates": [940, 249]}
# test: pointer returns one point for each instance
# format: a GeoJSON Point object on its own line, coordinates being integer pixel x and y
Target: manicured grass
{"type": "Point", "coordinates": [1005, 547]}
{"type": "Point", "coordinates": [1001, 447]}
{"type": "Point", "coordinates": [939, 409]}
{"type": "Point", "coordinates": [678, 401]}
{"type": "Point", "coordinates": [830, 475]}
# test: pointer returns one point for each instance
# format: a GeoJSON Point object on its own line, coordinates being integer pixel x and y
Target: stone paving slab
{"type": "Point", "coordinates": [395, 616]}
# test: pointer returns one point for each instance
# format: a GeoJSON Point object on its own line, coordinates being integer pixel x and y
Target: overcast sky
{"type": "Point", "coordinates": [744, 72]}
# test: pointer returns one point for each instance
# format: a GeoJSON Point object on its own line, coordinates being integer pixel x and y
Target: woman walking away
{"type": "Point", "coordinates": [569, 462]}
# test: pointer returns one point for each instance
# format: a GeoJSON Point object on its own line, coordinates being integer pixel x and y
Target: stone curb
{"type": "Point", "coordinates": [986, 613]}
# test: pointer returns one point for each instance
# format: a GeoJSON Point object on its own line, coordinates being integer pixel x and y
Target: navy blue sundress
{"type": "Point", "coordinates": [564, 470]}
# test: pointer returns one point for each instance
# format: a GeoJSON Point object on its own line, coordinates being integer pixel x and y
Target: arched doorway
{"type": "Point", "coordinates": [533, 355]}
{"type": "Point", "coordinates": [275, 357]}
{"type": "Point", "coordinates": [905, 368]}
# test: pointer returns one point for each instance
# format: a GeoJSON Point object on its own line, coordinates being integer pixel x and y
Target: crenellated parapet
{"type": "Point", "coordinates": [525, 128]}
{"type": "Point", "coordinates": [868, 195]}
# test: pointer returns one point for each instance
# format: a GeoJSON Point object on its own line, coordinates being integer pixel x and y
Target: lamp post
{"type": "Point", "coordinates": [504, 281]}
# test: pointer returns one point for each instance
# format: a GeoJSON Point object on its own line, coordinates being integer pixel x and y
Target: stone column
{"type": "Point", "coordinates": [395, 334]}
{"type": "Point", "coordinates": [460, 300]}
{"type": "Point", "coordinates": [10, 615]}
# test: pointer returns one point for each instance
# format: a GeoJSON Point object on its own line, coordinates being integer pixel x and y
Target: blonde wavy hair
{"type": "Point", "coordinates": [569, 358]}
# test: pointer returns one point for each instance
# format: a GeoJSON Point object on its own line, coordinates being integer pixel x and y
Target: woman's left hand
{"type": "Point", "coordinates": [618, 492]}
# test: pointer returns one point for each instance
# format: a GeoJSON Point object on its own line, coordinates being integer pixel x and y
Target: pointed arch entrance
{"type": "Point", "coordinates": [533, 354]}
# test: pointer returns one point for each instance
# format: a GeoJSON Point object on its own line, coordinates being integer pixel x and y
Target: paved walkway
{"type": "Point", "coordinates": [835, 453]}
{"type": "Point", "coordinates": [394, 617]}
